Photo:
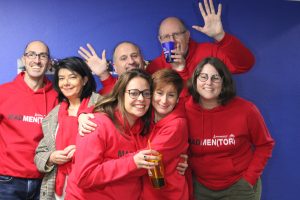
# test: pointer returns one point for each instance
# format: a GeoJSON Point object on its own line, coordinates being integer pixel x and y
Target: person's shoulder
{"type": "Point", "coordinates": [9, 84]}
{"type": "Point", "coordinates": [8, 88]}
{"type": "Point", "coordinates": [51, 114]}
{"type": "Point", "coordinates": [102, 118]}
{"type": "Point", "coordinates": [244, 104]}
{"type": "Point", "coordinates": [95, 97]}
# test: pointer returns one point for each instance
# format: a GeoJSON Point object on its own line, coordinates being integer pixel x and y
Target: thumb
{"type": "Point", "coordinates": [91, 116]}
{"type": "Point", "coordinates": [104, 54]}
{"type": "Point", "coordinates": [198, 28]}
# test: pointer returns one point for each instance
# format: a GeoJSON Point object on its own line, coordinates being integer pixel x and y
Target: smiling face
{"type": "Point", "coordinates": [174, 30]}
{"type": "Point", "coordinates": [136, 107]}
{"type": "Point", "coordinates": [35, 67]}
{"type": "Point", "coordinates": [164, 100]}
{"type": "Point", "coordinates": [209, 90]}
{"type": "Point", "coordinates": [126, 57]}
{"type": "Point", "coordinates": [70, 84]}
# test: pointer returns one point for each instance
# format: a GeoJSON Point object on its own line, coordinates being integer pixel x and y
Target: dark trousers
{"type": "Point", "coordinates": [241, 190]}
{"type": "Point", "coordinates": [12, 188]}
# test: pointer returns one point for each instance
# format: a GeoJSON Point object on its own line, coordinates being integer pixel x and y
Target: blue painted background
{"type": "Point", "coordinates": [271, 29]}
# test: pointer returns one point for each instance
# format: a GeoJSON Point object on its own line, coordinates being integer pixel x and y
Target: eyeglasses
{"type": "Point", "coordinates": [135, 93]}
{"type": "Point", "coordinates": [32, 55]}
{"type": "Point", "coordinates": [173, 35]}
{"type": "Point", "coordinates": [216, 78]}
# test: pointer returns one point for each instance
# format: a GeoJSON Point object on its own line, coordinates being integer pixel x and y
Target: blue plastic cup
{"type": "Point", "coordinates": [167, 47]}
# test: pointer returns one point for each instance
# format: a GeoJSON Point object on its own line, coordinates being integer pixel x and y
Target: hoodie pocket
{"type": "Point", "coordinates": [214, 168]}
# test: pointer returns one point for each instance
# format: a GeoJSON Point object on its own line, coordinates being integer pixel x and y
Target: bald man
{"type": "Point", "coordinates": [126, 56]}
{"type": "Point", "coordinates": [188, 53]}
{"type": "Point", "coordinates": [24, 102]}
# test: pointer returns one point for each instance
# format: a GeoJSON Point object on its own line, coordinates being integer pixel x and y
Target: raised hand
{"type": "Point", "coordinates": [179, 59]}
{"type": "Point", "coordinates": [97, 65]}
{"type": "Point", "coordinates": [212, 21]}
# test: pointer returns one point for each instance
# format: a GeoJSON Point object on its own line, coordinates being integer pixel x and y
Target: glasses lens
{"type": "Point", "coordinates": [216, 78]}
{"type": "Point", "coordinates": [203, 77]}
{"type": "Point", "coordinates": [44, 56]}
{"type": "Point", "coordinates": [146, 94]}
{"type": "Point", "coordinates": [134, 93]}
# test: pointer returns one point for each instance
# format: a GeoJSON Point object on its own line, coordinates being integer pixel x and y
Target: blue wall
{"type": "Point", "coordinates": [271, 29]}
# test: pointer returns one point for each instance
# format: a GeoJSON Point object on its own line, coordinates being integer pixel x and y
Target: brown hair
{"type": "Point", "coordinates": [228, 87]}
{"type": "Point", "coordinates": [115, 99]}
{"type": "Point", "coordinates": [165, 77]}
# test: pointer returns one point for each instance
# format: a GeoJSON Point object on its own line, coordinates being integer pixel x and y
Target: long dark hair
{"type": "Point", "coordinates": [228, 87]}
{"type": "Point", "coordinates": [115, 99]}
{"type": "Point", "coordinates": [75, 64]}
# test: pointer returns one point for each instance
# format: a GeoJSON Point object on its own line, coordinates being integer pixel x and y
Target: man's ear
{"type": "Point", "coordinates": [188, 34]}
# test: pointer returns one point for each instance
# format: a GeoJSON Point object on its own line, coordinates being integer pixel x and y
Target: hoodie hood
{"type": "Point", "coordinates": [178, 112]}
{"type": "Point", "coordinates": [40, 97]}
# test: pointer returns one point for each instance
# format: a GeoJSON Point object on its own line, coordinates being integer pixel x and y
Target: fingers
{"type": "Point", "coordinates": [178, 56]}
{"type": "Point", "coordinates": [92, 50]}
{"type": "Point", "coordinates": [219, 10]}
{"type": "Point", "coordinates": [143, 160]}
{"type": "Point", "coordinates": [71, 153]}
{"type": "Point", "coordinates": [212, 8]}
{"type": "Point", "coordinates": [184, 157]}
{"type": "Point", "coordinates": [84, 129]}
{"type": "Point", "coordinates": [209, 8]}
{"type": "Point", "coordinates": [82, 132]}
{"type": "Point", "coordinates": [82, 54]}
{"type": "Point", "coordinates": [69, 148]}
{"type": "Point", "coordinates": [59, 157]}
{"type": "Point", "coordinates": [203, 13]}
{"type": "Point", "coordinates": [181, 168]}
{"type": "Point", "coordinates": [85, 52]}
{"type": "Point", "coordinates": [104, 54]}
{"type": "Point", "coordinates": [85, 124]}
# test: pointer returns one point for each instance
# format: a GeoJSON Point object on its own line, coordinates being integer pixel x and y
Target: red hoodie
{"type": "Point", "coordinates": [169, 137]}
{"type": "Point", "coordinates": [101, 169]}
{"type": "Point", "coordinates": [21, 114]}
{"type": "Point", "coordinates": [227, 143]}
{"type": "Point", "coordinates": [230, 50]}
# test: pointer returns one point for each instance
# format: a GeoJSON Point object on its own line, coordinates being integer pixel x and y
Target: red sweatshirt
{"type": "Point", "coordinates": [230, 50]}
{"type": "Point", "coordinates": [21, 114]}
{"type": "Point", "coordinates": [101, 169]}
{"type": "Point", "coordinates": [169, 137]}
{"type": "Point", "coordinates": [108, 85]}
{"type": "Point", "coordinates": [227, 143]}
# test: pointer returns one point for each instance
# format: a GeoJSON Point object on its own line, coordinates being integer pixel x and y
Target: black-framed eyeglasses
{"type": "Point", "coordinates": [216, 78]}
{"type": "Point", "coordinates": [173, 35]}
{"type": "Point", "coordinates": [135, 93]}
{"type": "Point", "coordinates": [32, 55]}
